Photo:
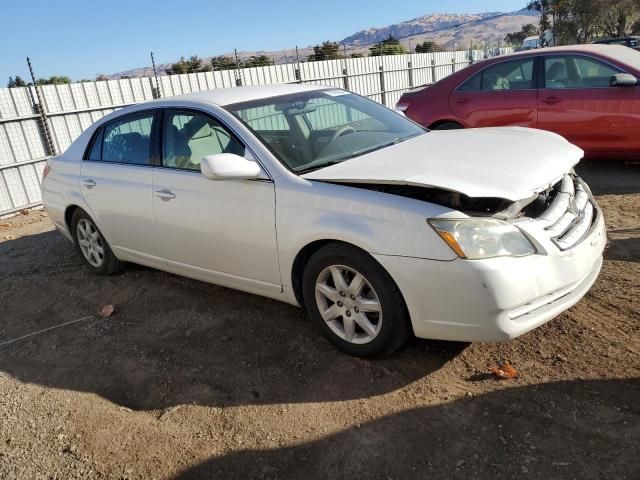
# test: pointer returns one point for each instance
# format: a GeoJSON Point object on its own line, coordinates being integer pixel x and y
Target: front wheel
{"type": "Point", "coordinates": [354, 301]}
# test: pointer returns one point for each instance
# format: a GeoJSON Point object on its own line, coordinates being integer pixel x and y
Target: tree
{"type": "Point", "coordinates": [54, 80]}
{"type": "Point", "coordinates": [258, 61]}
{"type": "Point", "coordinates": [192, 65]}
{"type": "Point", "coordinates": [389, 46]}
{"type": "Point", "coordinates": [223, 63]}
{"type": "Point", "coordinates": [356, 55]}
{"type": "Point", "coordinates": [428, 46]}
{"type": "Point", "coordinates": [617, 16]}
{"type": "Point", "coordinates": [516, 38]}
{"type": "Point", "coordinates": [579, 21]}
{"type": "Point", "coordinates": [101, 77]}
{"type": "Point", "coordinates": [327, 51]}
{"type": "Point", "coordinates": [16, 81]}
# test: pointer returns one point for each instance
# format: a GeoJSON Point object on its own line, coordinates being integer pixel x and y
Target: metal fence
{"type": "Point", "coordinates": [39, 122]}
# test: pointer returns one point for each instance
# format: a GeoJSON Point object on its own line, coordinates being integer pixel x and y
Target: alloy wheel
{"type": "Point", "coordinates": [90, 243]}
{"type": "Point", "coordinates": [348, 304]}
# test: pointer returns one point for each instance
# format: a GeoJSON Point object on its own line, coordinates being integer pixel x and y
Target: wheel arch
{"type": "Point", "coordinates": [70, 210]}
{"type": "Point", "coordinates": [301, 259]}
{"type": "Point", "coordinates": [68, 216]}
{"type": "Point", "coordinates": [442, 121]}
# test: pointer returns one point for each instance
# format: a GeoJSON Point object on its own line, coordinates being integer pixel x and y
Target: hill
{"type": "Point", "coordinates": [448, 29]}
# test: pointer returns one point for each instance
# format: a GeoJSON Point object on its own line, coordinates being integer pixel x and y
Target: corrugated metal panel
{"type": "Point", "coordinates": [70, 109]}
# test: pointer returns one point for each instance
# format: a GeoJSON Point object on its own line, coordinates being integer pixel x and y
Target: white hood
{"type": "Point", "coordinates": [506, 162]}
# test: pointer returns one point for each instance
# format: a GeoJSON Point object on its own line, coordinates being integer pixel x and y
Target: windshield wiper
{"type": "Point", "coordinates": [318, 167]}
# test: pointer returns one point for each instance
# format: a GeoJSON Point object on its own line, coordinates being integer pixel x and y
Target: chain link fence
{"type": "Point", "coordinates": [39, 122]}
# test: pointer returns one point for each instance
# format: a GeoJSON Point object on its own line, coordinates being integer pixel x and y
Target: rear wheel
{"type": "Point", "coordinates": [354, 301]}
{"type": "Point", "coordinates": [91, 244]}
{"type": "Point", "coordinates": [447, 126]}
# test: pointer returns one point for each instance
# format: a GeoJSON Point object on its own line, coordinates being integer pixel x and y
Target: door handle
{"type": "Point", "coordinates": [89, 183]}
{"type": "Point", "coordinates": [462, 100]}
{"type": "Point", "coordinates": [164, 194]}
{"type": "Point", "coordinates": [551, 100]}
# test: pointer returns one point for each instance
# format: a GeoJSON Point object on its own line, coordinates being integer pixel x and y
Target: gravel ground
{"type": "Point", "coordinates": [189, 380]}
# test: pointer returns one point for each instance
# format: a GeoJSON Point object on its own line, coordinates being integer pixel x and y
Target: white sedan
{"type": "Point", "coordinates": [319, 197]}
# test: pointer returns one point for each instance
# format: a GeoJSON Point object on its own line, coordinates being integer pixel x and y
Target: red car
{"type": "Point", "coordinates": [587, 93]}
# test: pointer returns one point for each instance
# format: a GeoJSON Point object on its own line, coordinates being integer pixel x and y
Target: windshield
{"type": "Point", "coordinates": [314, 129]}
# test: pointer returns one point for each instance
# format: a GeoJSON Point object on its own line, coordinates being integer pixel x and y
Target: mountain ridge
{"type": "Point", "coordinates": [451, 30]}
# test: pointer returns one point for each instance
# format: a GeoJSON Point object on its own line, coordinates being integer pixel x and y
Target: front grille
{"type": "Point", "coordinates": [570, 214]}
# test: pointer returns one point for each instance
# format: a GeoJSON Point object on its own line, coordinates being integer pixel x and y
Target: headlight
{"type": "Point", "coordinates": [477, 238]}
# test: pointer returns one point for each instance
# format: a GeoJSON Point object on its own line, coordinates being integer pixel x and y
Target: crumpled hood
{"type": "Point", "coordinates": [505, 162]}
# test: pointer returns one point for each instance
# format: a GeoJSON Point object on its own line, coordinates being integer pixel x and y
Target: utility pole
{"type": "Point", "coordinates": [238, 79]}
{"type": "Point", "coordinates": [156, 94]}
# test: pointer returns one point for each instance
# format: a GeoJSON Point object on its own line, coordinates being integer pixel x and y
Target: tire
{"type": "Point", "coordinates": [383, 331]}
{"type": "Point", "coordinates": [448, 126]}
{"type": "Point", "coordinates": [97, 254]}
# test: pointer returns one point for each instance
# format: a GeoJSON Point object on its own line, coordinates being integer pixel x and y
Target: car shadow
{"type": "Point", "coordinates": [571, 429]}
{"type": "Point", "coordinates": [176, 341]}
{"type": "Point", "coordinates": [610, 177]}
{"type": "Point", "coordinates": [623, 249]}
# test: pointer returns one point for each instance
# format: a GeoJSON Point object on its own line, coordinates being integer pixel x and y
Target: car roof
{"type": "Point", "coordinates": [616, 39]}
{"type": "Point", "coordinates": [228, 96]}
{"type": "Point", "coordinates": [597, 48]}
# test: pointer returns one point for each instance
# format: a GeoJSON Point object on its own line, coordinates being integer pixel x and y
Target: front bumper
{"type": "Point", "coordinates": [495, 299]}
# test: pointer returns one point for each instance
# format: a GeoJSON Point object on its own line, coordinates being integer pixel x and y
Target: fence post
{"type": "Point", "coordinates": [453, 64]}
{"type": "Point", "coordinates": [433, 70]}
{"type": "Point", "coordinates": [410, 71]}
{"type": "Point", "coordinates": [45, 132]}
{"type": "Point", "coordinates": [383, 92]}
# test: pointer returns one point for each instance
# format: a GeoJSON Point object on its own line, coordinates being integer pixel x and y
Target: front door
{"type": "Point", "coordinates": [577, 102]}
{"type": "Point", "coordinates": [220, 231]}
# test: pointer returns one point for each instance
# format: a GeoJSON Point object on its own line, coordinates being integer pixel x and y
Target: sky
{"type": "Point", "coordinates": [82, 38]}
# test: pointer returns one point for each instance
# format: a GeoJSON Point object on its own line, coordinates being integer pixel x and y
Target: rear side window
{"type": "Point", "coordinates": [511, 75]}
{"type": "Point", "coordinates": [124, 141]}
{"type": "Point", "coordinates": [96, 149]}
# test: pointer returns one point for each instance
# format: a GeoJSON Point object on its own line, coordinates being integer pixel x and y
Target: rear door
{"type": "Point", "coordinates": [577, 101]}
{"type": "Point", "coordinates": [503, 93]}
{"type": "Point", "coordinates": [115, 181]}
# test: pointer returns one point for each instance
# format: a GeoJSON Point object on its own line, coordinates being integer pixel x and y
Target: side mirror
{"type": "Point", "coordinates": [623, 80]}
{"type": "Point", "coordinates": [229, 166]}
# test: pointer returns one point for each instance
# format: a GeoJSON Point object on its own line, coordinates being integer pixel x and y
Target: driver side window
{"type": "Point", "coordinates": [187, 137]}
{"type": "Point", "coordinates": [577, 71]}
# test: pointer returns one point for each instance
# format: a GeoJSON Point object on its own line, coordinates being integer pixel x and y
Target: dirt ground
{"type": "Point", "coordinates": [189, 380]}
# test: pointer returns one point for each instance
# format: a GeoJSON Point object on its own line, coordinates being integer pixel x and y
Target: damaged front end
{"type": "Point", "coordinates": [565, 210]}
{"type": "Point", "coordinates": [472, 206]}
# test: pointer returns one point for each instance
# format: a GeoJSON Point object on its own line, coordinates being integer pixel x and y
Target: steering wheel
{"type": "Point", "coordinates": [342, 131]}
